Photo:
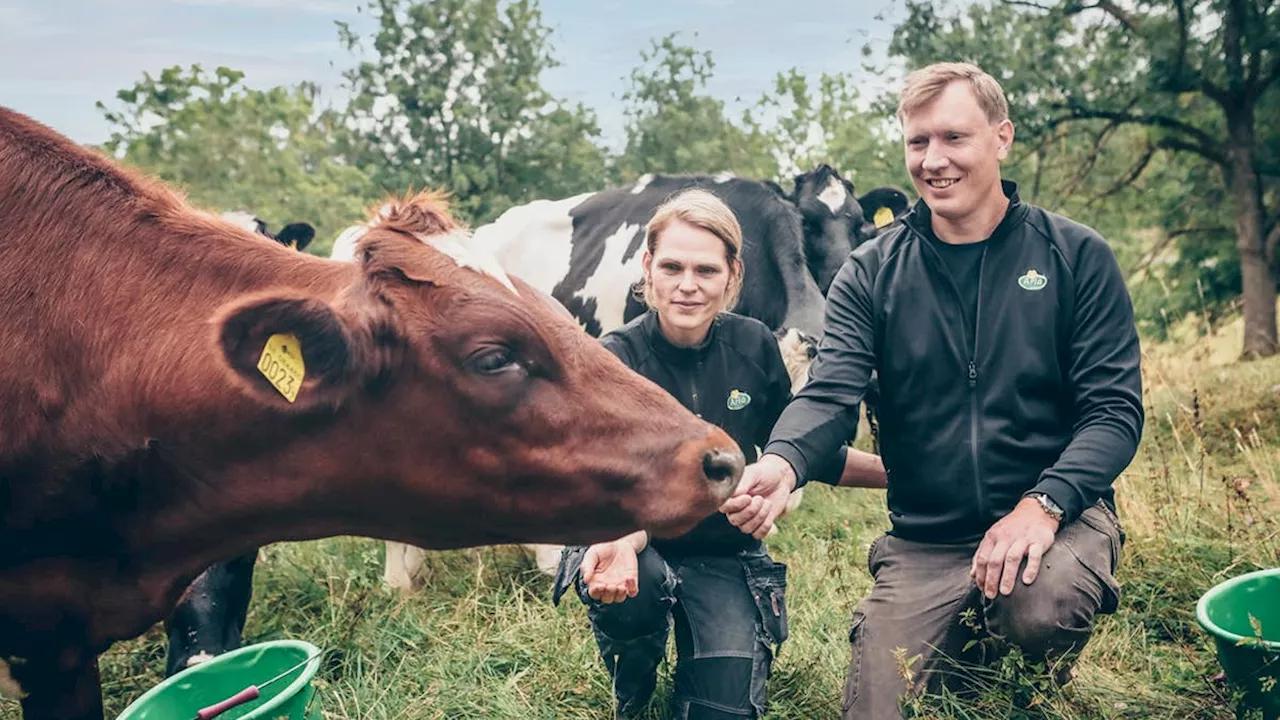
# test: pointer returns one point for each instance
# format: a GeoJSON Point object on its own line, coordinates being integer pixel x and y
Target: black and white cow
{"type": "Point", "coordinates": [294, 235]}
{"type": "Point", "coordinates": [585, 251]}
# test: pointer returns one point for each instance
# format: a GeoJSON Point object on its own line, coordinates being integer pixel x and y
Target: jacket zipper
{"type": "Point", "coordinates": [972, 370]}
{"type": "Point", "coordinates": [693, 387]}
{"type": "Point", "coordinates": [973, 391]}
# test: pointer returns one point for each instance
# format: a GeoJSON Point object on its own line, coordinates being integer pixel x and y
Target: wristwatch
{"type": "Point", "coordinates": [1048, 505]}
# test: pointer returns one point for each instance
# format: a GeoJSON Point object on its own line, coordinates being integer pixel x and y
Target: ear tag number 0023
{"type": "Point", "coordinates": [281, 364]}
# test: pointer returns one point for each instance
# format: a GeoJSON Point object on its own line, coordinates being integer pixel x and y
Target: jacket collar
{"type": "Point", "coordinates": [920, 218]}
{"type": "Point", "coordinates": [676, 353]}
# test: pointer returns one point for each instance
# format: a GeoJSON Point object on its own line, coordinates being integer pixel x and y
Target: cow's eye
{"type": "Point", "coordinates": [491, 361]}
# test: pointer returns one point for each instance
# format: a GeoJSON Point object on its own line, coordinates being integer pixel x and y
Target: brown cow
{"type": "Point", "coordinates": [140, 442]}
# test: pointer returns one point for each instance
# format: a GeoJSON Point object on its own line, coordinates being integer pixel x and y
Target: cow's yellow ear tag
{"type": "Point", "coordinates": [884, 216]}
{"type": "Point", "coordinates": [281, 364]}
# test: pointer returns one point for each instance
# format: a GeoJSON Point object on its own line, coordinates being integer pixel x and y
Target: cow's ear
{"type": "Point", "coordinates": [289, 352]}
{"type": "Point", "coordinates": [296, 235]}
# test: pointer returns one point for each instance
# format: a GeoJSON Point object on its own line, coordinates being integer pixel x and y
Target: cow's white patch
{"type": "Point", "coordinates": [459, 246]}
{"type": "Point", "coordinates": [534, 242]}
{"type": "Point", "coordinates": [724, 177]}
{"type": "Point", "coordinates": [641, 183]}
{"type": "Point", "coordinates": [610, 284]}
{"type": "Point", "coordinates": [8, 686]}
{"type": "Point", "coordinates": [241, 219]}
{"type": "Point", "coordinates": [834, 195]}
{"type": "Point", "coordinates": [344, 247]}
{"type": "Point", "coordinates": [198, 658]}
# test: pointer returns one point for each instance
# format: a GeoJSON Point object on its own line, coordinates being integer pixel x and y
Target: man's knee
{"type": "Point", "coordinates": [1075, 583]}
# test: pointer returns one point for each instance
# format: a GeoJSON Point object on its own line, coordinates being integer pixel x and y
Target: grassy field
{"type": "Point", "coordinates": [1200, 504]}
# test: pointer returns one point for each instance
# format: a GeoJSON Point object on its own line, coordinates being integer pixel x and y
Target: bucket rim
{"type": "Point", "coordinates": [307, 671]}
{"type": "Point", "coordinates": [1202, 607]}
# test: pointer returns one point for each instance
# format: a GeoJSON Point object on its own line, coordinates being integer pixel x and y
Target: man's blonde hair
{"type": "Point", "coordinates": [928, 82]}
{"type": "Point", "coordinates": [701, 209]}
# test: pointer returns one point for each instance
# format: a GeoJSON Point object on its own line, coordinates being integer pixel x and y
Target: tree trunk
{"type": "Point", "coordinates": [1257, 285]}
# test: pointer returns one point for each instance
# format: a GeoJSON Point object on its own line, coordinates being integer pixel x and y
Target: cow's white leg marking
{"type": "Point", "coordinates": [547, 557]}
{"type": "Point", "coordinates": [8, 686]}
{"type": "Point", "coordinates": [403, 566]}
{"type": "Point", "coordinates": [611, 283]}
{"type": "Point", "coordinates": [834, 195]}
{"type": "Point", "coordinates": [198, 658]}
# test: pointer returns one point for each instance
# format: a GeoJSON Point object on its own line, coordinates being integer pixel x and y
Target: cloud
{"type": "Point", "coordinates": [319, 7]}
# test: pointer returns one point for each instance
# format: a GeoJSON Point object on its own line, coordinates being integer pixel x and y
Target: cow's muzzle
{"type": "Point", "coordinates": [723, 469]}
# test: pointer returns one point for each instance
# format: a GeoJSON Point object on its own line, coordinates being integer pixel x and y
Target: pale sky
{"type": "Point", "coordinates": [57, 57]}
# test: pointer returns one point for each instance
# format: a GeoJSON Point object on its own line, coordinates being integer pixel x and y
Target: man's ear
{"type": "Point", "coordinates": [289, 352]}
{"type": "Point", "coordinates": [1005, 134]}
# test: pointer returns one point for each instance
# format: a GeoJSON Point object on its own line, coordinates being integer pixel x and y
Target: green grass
{"type": "Point", "coordinates": [1200, 503]}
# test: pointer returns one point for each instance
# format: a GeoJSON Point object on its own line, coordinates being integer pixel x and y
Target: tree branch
{"type": "Point", "coordinates": [1026, 3]}
{"type": "Point", "coordinates": [1129, 177]}
{"type": "Point", "coordinates": [1110, 8]}
{"type": "Point", "coordinates": [1211, 154]}
{"type": "Point", "coordinates": [1204, 144]}
{"type": "Point", "coordinates": [1154, 254]}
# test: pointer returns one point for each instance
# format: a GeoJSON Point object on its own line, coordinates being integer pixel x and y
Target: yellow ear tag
{"type": "Point", "coordinates": [884, 216]}
{"type": "Point", "coordinates": [293, 244]}
{"type": "Point", "coordinates": [281, 364]}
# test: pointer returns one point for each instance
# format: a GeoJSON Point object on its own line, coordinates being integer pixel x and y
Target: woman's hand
{"type": "Point", "coordinates": [611, 571]}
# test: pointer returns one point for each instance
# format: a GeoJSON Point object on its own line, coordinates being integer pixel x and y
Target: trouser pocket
{"type": "Point", "coordinates": [852, 677]}
{"type": "Point", "coordinates": [767, 581]}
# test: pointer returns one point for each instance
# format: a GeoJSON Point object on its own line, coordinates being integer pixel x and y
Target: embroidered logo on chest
{"type": "Point", "coordinates": [738, 400]}
{"type": "Point", "coordinates": [1033, 280]}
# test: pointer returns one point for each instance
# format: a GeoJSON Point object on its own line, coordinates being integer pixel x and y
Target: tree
{"type": "Point", "coordinates": [268, 152]}
{"type": "Point", "coordinates": [1191, 75]}
{"type": "Point", "coordinates": [831, 123]}
{"type": "Point", "coordinates": [453, 99]}
{"type": "Point", "coordinates": [674, 126]}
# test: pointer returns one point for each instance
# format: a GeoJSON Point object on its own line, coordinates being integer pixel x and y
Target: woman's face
{"type": "Point", "coordinates": [689, 277]}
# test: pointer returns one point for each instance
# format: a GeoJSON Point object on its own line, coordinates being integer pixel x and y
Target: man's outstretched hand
{"type": "Point", "coordinates": [761, 495]}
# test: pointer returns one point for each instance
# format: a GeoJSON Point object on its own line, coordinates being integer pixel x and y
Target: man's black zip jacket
{"type": "Point", "coordinates": [1040, 390]}
{"type": "Point", "coordinates": [736, 380]}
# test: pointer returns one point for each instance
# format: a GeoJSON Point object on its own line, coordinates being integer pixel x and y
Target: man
{"type": "Point", "coordinates": [1010, 400]}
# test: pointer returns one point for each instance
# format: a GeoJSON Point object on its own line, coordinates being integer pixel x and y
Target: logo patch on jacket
{"type": "Point", "coordinates": [738, 400]}
{"type": "Point", "coordinates": [1033, 280]}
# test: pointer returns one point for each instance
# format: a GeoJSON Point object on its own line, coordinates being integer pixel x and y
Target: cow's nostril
{"type": "Point", "coordinates": [723, 467]}
{"type": "Point", "coordinates": [812, 352]}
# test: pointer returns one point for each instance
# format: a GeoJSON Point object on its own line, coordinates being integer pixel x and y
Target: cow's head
{"type": "Point", "coordinates": [475, 411]}
{"type": "Point", "coordinates": [833, 221]}
{"type": "Point", "coordinates": [883, 206]}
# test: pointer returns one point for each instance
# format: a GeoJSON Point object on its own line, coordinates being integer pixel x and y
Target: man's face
{"type": "Point", "coordinates": [953, 153]}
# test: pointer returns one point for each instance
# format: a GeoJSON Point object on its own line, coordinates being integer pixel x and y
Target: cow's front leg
{"type": "Point", "coordinates": [60, 694]}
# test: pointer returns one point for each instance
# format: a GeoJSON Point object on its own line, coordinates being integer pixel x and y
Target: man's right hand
{"type": "Point", "coordinates": [611, 571]}
{"type": "Point", "coordinates": [761, 496]}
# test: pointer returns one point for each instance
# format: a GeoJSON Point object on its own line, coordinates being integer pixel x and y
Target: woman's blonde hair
{"type": "Point", "coordinates": [701, 209]}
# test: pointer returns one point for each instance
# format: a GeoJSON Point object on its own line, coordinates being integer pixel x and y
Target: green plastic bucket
{"type": "Point", "coordinates": [1224, 613]}
{"type": "Point", "coordinates": [180, 697]}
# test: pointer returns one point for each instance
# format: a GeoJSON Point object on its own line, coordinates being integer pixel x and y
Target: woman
{"type": "Point", "coordinates": [726, 595]}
